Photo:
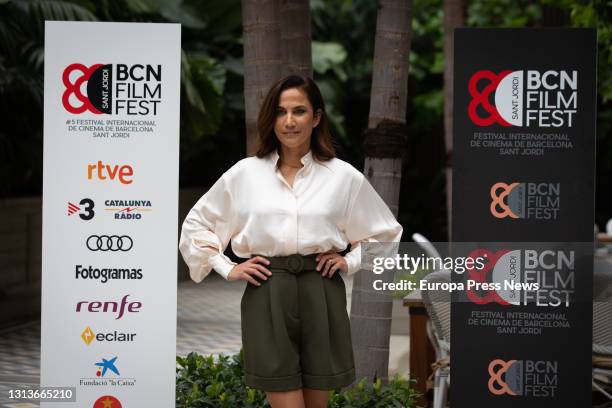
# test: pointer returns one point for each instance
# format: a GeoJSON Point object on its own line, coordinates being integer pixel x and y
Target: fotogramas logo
{"type": "Point", "coordinates": [526, 378]}
{"type": "Point", "coordinates": [523, 98]}
{"type": "Point", "coordinates": [534, 201]}
{"type": "Point", "coordinates": [105, 274]}
{"type": "Point", "coordinates": [112, 89]}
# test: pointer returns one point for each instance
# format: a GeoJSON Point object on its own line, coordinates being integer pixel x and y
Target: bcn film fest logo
{"type": "Point", "coordinates": [522, 277]}
{"type": "Point", "coordinates": [524, 98]}
{"type": "Point", "coordinates": [537, 201]}
{"type": "Point", "coordinates": [112, 89]}
{"type": "Point", "coordinates": [526, 378]}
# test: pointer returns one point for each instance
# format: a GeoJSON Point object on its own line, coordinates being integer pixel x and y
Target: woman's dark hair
{"type": "Point", "coordinates": [321, 143]}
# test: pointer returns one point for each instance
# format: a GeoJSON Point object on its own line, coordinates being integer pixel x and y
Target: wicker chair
{"type": "Point", "coordinates": [438, 305]}
{"type": "Point", "coordinates": [602, 329]}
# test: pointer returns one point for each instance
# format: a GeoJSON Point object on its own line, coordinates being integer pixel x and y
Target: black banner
{"type": "Point", "coordinates": [523, 174]}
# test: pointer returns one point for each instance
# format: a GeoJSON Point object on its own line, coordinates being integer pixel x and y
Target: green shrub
{"type": "Point", "coordinates": [209, 382]}
{"type": "Point", "coordinates": [397, 394]}
{"type": "Point", "coordinates": [206, 382]}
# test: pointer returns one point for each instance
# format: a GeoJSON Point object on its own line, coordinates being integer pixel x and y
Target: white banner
{"type": "Point", "coordinates": [110, 204]}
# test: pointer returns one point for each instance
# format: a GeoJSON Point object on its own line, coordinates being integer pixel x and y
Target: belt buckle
{"type": "Point", "coordinates": [295, 263]}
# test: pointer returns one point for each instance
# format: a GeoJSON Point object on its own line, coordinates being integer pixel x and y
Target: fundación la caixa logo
{"type": "Point", "coordinates": [534, 201]}
{"type": "Point", "coordinates": [112, 89]}
{"type": "Point", "coordinates": [524, 98]}
{"type": "Point", "coordinates": [526, 378]}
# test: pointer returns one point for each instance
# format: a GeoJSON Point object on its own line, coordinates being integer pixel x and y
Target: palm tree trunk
{"type": "Point", "coordinates": [296, 37]}
{"type": "Point", "coordinates": [454, 17]}
{"type": "Point", "coordinates": [262, 59]}
{"type": "Point", "coordinates": [371, 311]}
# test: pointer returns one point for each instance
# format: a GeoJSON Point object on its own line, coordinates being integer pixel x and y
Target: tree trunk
{"type": "Point", "coordinates": [296, 37]}
{"type": "Point", "coordinates": [370, 310]}
{"type": "Point", "coordinates": [453, 17]}
{"type": "Point", "coordinates": [262, 59]}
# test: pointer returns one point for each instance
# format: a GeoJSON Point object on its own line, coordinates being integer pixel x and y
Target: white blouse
{"type": "Point", "coordinates": [330, 205]}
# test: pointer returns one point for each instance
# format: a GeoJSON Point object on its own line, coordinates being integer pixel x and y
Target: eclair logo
{"type": "Point", "coordinates": [112, 89]}
{"type": "Point", "coordinates": [537, 201]}
{"type": "Point", "coordinates": [523, 98]}
{"type": "Point", "coordinates": [527, 378]}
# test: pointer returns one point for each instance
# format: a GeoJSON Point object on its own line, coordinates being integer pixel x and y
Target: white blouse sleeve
{"type": "Point", "coordinates": [369, 220]}
{"type": "Point", "coordinates": [206, 233]}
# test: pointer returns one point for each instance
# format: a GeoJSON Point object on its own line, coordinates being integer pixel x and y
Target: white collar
{"type": "Point", "coordinates": [306, 160]}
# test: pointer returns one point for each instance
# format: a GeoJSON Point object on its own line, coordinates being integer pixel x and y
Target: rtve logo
{"type": "Point", "coordinates": [543, 99]}
{"type": "Point", "coordinates": [102, 171]}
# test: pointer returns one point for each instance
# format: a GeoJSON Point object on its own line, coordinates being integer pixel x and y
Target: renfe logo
{"type": "Point", "coordinates": [106, 171]}
{"type": "Point", "coordinates": [543, 99]}
{"type": "Point", "coordinates": [110, 306]}
{"type": "Point", "coordinates": [108, 89]}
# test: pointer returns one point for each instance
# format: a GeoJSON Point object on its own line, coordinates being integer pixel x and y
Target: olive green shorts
{"type": "Point", "coordinates": [295, 329]}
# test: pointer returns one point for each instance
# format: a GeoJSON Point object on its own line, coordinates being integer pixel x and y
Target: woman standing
{"type": "Point", "coordinates": [289, 211]}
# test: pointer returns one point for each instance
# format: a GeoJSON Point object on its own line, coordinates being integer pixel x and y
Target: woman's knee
{"type": "Point", "coordinates": [286, 399]}
{"type": "Point", "coordinates": [315, 398]}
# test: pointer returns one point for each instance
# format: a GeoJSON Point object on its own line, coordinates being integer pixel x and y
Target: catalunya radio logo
{"type": "Point", "coordinates": [112, 89]}
{"type": "Point", "coordinates": [523, 98]}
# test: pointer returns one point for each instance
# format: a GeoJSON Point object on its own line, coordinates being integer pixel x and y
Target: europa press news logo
{"type": "Point", "coordinates": [523, 98]}
{"type": "Point", "coordinates": [526, 378]}
{"type": "Point", "coordinates": [112, 89]}
{"type": "Point", "coordinates": [536, 201]}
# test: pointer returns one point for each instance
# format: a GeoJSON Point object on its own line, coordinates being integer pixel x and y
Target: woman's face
{"type": "Point", "coordinates": [295, 119]}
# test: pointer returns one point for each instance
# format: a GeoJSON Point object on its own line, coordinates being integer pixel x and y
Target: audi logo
{"type": "Point", "coordinates": [112, 243]}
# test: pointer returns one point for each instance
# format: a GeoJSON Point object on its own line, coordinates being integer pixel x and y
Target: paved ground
{"type": "Point", "coordinates": [208, 323]}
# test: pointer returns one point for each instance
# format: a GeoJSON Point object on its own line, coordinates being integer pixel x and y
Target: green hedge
{"type": "Point", "coordinates": [209, 382]}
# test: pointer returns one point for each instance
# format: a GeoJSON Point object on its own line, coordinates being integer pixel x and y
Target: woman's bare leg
{"type": "Point", "coordinates": [286, 399]}
{"type": "Point", "coordinates": [315, 398]}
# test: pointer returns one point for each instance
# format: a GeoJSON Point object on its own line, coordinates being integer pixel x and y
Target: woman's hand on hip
{"type": "Point", "coordinates": [250, 269]}
{"type": "Point", "coordinates": [329, 262]}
